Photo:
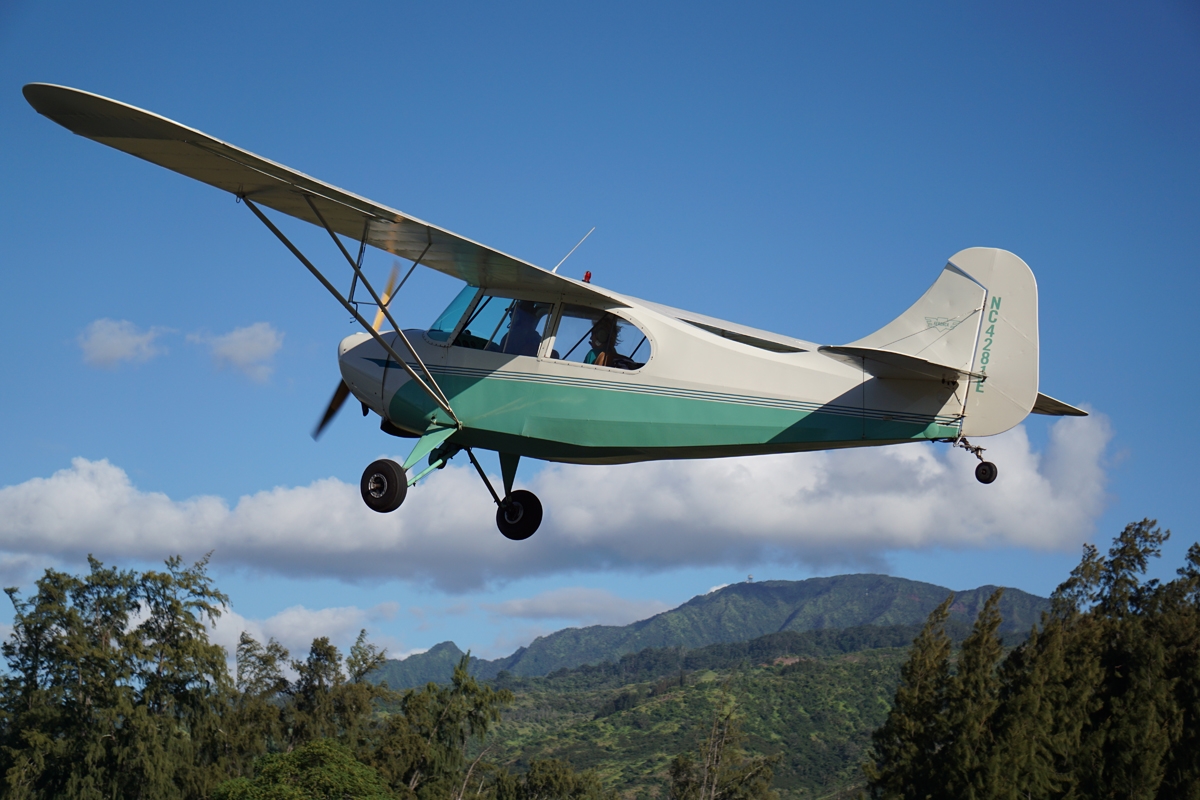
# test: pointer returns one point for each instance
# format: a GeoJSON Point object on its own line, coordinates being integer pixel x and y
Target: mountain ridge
{"type": "Point", "coordinates": [734, 613]}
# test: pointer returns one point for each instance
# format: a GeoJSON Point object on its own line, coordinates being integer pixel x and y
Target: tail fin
{"type": "Point", "coordinates": [979, 316]}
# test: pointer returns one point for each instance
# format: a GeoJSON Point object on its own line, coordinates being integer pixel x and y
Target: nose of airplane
{"type": "Point", "coordinates": [362, 360]}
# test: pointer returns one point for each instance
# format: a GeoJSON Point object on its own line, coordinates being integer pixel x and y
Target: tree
{"type": "Point", "coordinates": [319, 770]}
{"type": "Point", "coordinates": [907, 761]}
{"type": "Point", "coordinates": [548, 779]}
{"type": "Point", "coordinates": [422, 750]}
{"type": "Point", "coordinates": [972, 701]}
{"type": "Point", "coordinates": [113, 688]}
{"type": "Point", "coordinates": [723, 771]}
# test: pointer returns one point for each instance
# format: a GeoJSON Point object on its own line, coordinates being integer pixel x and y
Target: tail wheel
{"type": "Point", "coordinates": [519, 516]}
{"type": "Point", "coordinates": [986, 472]}
{"type": "Point", "coordinates": [384, 486]}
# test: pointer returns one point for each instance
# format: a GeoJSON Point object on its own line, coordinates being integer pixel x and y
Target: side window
{"type": "Point", "coordinates": [592, 336]}
{"type": "Point", "coordinates": [503, 325]}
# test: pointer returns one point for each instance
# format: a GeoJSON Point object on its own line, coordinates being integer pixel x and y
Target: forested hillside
{"type": "Point", "coordinates": [735, 613]}
{"type": "Point", "coordinates": [112, 689]}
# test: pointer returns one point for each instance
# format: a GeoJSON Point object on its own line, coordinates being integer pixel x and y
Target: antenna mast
{"type": "Point", "coordinates": [573, 249]}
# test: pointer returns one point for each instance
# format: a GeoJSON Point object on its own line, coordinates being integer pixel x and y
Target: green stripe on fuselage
{"type": "Point", "coordinates": [541, 417]}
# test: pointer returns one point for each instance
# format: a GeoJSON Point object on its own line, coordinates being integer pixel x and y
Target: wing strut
{"type": "Point", "coordinates": [383, 306]}
{"type": "Point", "coordinates": [437, 395]}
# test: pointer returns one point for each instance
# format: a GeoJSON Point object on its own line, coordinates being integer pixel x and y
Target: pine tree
{"type": "Point", "coordinates": [971, 769]}
{"type": "Point", "coordinates": [907, 762]}
{"type": "Point", "coordinates": [1180, 628]}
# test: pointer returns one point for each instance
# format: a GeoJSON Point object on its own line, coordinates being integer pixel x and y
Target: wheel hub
{"type": "Point", "coordinates": [377, 486]}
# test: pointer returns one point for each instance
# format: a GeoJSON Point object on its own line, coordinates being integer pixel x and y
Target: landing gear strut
{"type": "Point", "coordinates": [985, 471]}
{"type": "Point", "coordinates": [519, 514]}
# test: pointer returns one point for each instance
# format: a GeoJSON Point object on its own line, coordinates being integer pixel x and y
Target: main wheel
{"type": "Point", "coordinates": [519, 516]}
{"type": "Point", "coordinates": [986, 472]}
{"type": "Point", "coordinates": [383, 486]}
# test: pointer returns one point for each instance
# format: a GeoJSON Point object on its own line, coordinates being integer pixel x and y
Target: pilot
{"type": "Point", "coordinates": [603, 342]}
{"type": "Point", "coordinates": [523, 338]}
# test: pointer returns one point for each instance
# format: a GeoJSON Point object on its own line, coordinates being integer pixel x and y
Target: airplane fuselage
{"type": "Point", "coordinates": [698, 395]}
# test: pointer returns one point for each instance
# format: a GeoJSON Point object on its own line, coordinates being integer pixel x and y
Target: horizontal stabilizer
{"type": "Point", "coordinates": [897, 366]}
{"type": "Point", "coordinates": [1045, 404]}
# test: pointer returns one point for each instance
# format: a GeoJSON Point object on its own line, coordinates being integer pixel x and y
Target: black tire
{"type": "Point", "coordinates": [986, 472]}
{"type": "Point", "coordinates": [384, 486]}
{"type": "Point", "coordinates": [519, 516]}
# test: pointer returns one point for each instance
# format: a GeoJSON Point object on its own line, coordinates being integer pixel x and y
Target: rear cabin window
{"type": "Point", "coordinates": [592, 336]}
{"type": "Point", "coordinates": [505, 325]}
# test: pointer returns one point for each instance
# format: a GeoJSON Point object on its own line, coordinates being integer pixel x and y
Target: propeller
{"type": "Point", "coordinates": [343, 391]}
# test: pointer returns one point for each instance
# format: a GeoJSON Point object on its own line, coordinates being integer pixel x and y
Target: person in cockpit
{"type": "Point", "coordinates": [603, 342]}
{"type": "Point", "coordinates": [523, 338]}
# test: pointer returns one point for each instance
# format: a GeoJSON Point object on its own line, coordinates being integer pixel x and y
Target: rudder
{"type": "Point", "coordinates": [1007, 349]}
{"type": "Point", "coordinates": [979, 316]}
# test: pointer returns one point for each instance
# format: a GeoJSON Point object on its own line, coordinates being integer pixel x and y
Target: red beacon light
{"type": "Point", "coordinates": [587, 276]}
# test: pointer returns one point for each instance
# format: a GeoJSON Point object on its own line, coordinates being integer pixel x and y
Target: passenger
{"type": "Point", "coordinates": [523, 338]}
{"type": "Point", "coordinates": [603, 342]}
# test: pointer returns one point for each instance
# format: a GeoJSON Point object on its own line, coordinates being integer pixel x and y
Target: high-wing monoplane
{"type": "Point", "coordinates": [533, 364]}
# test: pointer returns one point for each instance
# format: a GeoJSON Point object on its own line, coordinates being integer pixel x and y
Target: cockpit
{"type": "Point", "coordinates": [479, 320]}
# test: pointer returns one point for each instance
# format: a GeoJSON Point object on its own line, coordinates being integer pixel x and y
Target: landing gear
{"type": "Point", "coordinates": [519, 515]}
{"type": "Point", "coordinates": [986, 472]}
{"type": "Point", "coordinates": [383, 486]}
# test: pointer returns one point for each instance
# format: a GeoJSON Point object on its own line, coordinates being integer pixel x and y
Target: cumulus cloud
{"type": "Point", "coordinates": [296, 627]}
{"type": "Point", "coordinates": [108, 342]}
{"type": "Point", "coordinates": [582, 605]}
{"type": "Point", "coordinates": [249, 350]}
{"type": "Point", "coordinates": [839, 508]}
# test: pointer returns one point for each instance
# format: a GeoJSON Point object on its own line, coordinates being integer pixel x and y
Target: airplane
{"type": "Point", "coordinates": [532, 364]}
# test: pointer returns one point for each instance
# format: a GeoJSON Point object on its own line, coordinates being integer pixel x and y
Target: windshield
{"type": "Point", "coordinates": [441, 329]}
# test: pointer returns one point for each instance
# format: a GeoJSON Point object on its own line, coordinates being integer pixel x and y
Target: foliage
{"type": "Point", "coordinates": [550, 779]}
{"type": "Point", "coordinates": [1101, 702]}
{"type": "Point", "coordinates": [113, 689]}
{"type": "Point", "coordinates": [319, 770]}
{"type": "Point", "coordinates": [723, 771]}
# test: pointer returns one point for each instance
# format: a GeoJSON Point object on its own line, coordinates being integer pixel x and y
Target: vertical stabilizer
{"type": "Point", "coordinates": [1007, 351]}
{"type": "Point", "coordinates": [980, 316]}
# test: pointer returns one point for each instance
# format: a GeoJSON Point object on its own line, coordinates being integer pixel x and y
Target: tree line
{"type": "Point", "coordinates": [1102, 700]}
{"type": "Point", "coordinates": [113, 690]}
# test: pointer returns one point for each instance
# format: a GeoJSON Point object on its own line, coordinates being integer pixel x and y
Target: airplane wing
{"type": "Point", "coordinates": [197, 155]}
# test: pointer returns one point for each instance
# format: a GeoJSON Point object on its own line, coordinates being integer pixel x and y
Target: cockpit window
{"type": "Point", "coordinates": [448, 320]}
{"type": "Point", "coordinates": [592, 336]}
{"type": "Point", "coordinates": [505, 325]}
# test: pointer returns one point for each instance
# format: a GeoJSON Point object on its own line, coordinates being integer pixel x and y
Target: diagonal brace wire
{"type": "Point", "coordinates": [435, 396]}
{"type": "Point", "coordinates": [357, 267]}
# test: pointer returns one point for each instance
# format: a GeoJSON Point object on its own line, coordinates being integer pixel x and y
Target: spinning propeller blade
{"type": "Point", "coordinates": [386, 296]}
{"type": "Point", "coordinates": [343, 391]}
{"type": "Point", "coordinates": [339, 397]}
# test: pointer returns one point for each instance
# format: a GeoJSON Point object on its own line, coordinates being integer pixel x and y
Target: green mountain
{"type": "Point", "coordinates": [735, 613]}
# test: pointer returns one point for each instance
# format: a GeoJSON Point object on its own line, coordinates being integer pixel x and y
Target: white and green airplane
{"type": "Point", "coordinates": [530, 363]}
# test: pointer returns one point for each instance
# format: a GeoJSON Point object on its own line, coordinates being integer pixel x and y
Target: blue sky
{"type": "Point", "coordinates": [804, 169]}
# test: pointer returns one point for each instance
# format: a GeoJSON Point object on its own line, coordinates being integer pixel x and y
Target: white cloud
{"type": "Point", "coordinates": [582, 605]}
{"type": "Point", "coordinates": [248, 350]}
{"type": "Point", "coordinates": [296, 627]}
{"type": "Point", "coordinates": [717, 588]}
{"type": "Point", "coordinates": [108, 342]}
{"type": "Point", "coordinates": [838, 508]}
